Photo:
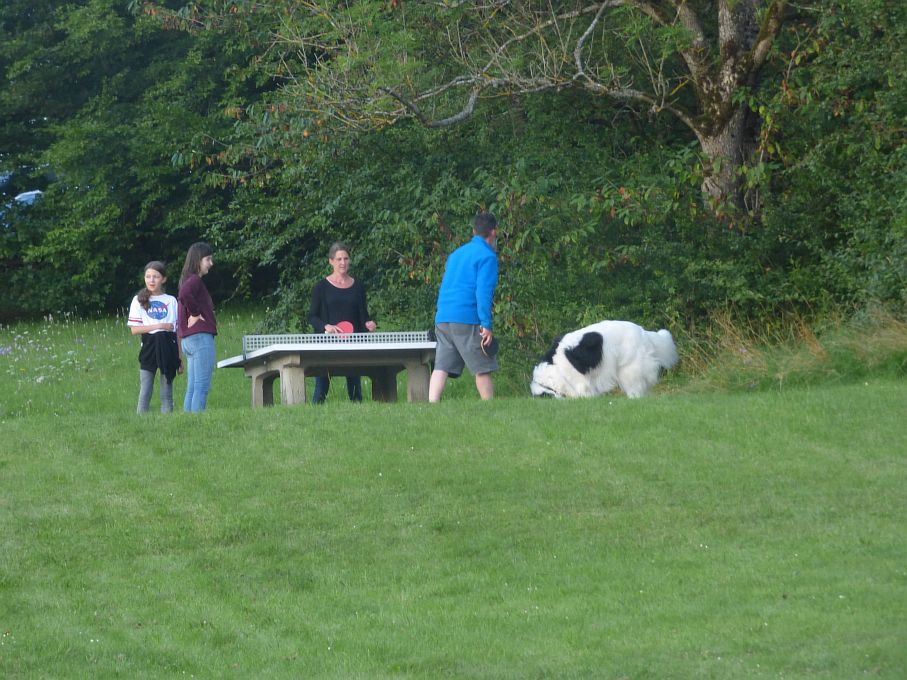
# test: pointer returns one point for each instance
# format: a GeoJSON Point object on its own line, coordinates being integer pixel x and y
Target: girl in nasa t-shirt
{"type": "Point", "coordinates": [153, 315]}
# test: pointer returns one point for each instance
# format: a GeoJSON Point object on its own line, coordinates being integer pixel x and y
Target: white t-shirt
{"type": "Point", "coordinates": [161, 310]}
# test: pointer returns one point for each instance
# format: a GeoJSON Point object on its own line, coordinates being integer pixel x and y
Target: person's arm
{"type": "Point", "coordinates": [364, 316]}
{"type": "Point", "coordinates": [199, 306]}
{"type": "Point", "coordinates": [140, 330]}
{"type": "Point", "coordinates": [189, 294]}
{"type": "Point", "coordinates": [179, 341]}
{"type": "Point", "coordinates": [486, 280]}
{"type": "Point", "coordinates": [196, 302]}
{"type": "Point", "coordinates": [316, 311]}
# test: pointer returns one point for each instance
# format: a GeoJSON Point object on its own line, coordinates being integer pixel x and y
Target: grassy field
{"type": "Point", "coordinates": [748, 533]}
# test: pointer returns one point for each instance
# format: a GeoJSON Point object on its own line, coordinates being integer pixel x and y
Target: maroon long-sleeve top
{"type": "Point", "coordinates": [194, 300]}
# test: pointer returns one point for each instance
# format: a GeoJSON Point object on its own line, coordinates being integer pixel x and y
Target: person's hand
{"type": "Point", "coordinates": [165, 326]}
{"type": "Point", "coordinates": [487, 335]}
{"type": "Point", "coordinates": [194, 320]}
{"type": "Point", "coordinates": [331, 329]}
{"type": "Point", "coordinates": [371, 326]}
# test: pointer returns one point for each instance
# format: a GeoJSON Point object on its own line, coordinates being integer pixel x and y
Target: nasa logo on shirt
{"type": "Point", "coordinates": [157, 310]}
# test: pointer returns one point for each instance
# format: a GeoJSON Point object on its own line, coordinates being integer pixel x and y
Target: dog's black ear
{"type": "Point", "coordinates": [587, 353]}
{"type": "Point", "coordinates": [549, 355]}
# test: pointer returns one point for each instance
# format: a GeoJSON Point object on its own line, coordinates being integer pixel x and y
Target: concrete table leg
{"type": "Point", "coordinates": [292, 385]}
{"type": "Point", "coordinates": [384, 383]}
{"type": "Point", "coordinates": [262, 386]}
{"type": "Point", "coordinates": [417, 378]}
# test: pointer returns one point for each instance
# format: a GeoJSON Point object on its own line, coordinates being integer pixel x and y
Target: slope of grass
{"type": "Point", "coordinates": [688, 535]}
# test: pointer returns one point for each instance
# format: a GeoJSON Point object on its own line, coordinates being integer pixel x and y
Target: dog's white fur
{"type": "Point", "coordinates": [631, 358]}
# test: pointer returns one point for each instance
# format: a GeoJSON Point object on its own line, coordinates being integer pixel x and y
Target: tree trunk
{"type": "Point", "coordinates": [725, 128]}
{"type": "Point", "coordinates": [727, 148]}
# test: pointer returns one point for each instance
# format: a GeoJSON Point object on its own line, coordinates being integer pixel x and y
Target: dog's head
{"type": "Point", "coordinates": [547, 381]}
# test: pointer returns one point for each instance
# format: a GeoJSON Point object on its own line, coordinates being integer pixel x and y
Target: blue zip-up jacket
{"type": "Point", "coordinates": [468, 285]}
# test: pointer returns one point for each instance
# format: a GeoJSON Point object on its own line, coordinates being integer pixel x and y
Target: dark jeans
{"type": "Point", "coordinates": [353, 388]}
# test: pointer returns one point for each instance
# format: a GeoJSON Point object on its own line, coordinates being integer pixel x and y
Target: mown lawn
{"type": "Point", "coordinates": [681, 536]}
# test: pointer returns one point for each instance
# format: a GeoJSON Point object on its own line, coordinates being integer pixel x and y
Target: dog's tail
{"type": "Point", "coordinates": [665, 349]}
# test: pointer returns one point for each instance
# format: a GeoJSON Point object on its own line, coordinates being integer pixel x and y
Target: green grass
{"type": "Point", "coordinates": [689, 535]}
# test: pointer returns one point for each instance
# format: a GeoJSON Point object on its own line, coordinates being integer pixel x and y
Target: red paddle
{"type": "Point", "coordinates": [345, 327]}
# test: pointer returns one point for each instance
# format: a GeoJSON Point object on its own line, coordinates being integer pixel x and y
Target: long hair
{"type": "Point", "coordinates": [144, 295]}
{"type": "Point", "coordinates": [194, 256]}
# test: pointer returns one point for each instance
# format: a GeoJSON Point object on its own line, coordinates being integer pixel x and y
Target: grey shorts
{"type": "Point", "coordinates": [459, 344]}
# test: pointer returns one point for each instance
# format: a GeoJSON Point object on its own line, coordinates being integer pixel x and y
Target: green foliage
{"type": "Point", "coordinates": [168, 122]}
{"type": "Point", "coordinates": [838, 210]}
{"type": "Point", "coordinates": [130, 94]}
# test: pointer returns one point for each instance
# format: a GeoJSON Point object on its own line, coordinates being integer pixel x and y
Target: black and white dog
{"type": "Point", "coordinates": [608, 354]}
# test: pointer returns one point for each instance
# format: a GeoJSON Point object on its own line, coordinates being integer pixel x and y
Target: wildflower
{"type": "Point", "coordinates": [5, 350]}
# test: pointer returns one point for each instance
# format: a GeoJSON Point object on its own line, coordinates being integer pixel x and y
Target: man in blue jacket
{"type": "Point", "coordinates": [463, 319]}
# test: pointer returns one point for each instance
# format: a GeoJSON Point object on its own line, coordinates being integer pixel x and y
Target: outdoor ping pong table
{"type": "Point", "coordinates": [294, 357]}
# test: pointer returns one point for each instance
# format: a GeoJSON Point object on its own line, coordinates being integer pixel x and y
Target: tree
{"type": "Point", "coordinates": [373, 63]}
{"type": "Point", "coordinates": [31, 99]}
{"type": "Point", "coordinates": [108, 105]}
{"type": "Point", "coordinates": [361, 125]}
{"type": "Point", "coordinates": [837, 214]}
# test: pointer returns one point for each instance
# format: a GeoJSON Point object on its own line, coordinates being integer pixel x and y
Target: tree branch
{"type": "Point", "coordinates": [414, 109]}
{"type": "Point", "coordinates": [771, 27]}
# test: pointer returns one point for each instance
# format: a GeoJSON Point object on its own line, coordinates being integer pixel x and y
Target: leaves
{"type": "Point", "coordinates": [182, 121]}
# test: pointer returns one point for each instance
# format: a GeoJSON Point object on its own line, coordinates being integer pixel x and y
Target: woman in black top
{"type": "Point", "coordinates": [339, 297]}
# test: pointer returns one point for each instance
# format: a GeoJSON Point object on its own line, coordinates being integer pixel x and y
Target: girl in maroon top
{"type": "Point", "coordinates": [197, 326]}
